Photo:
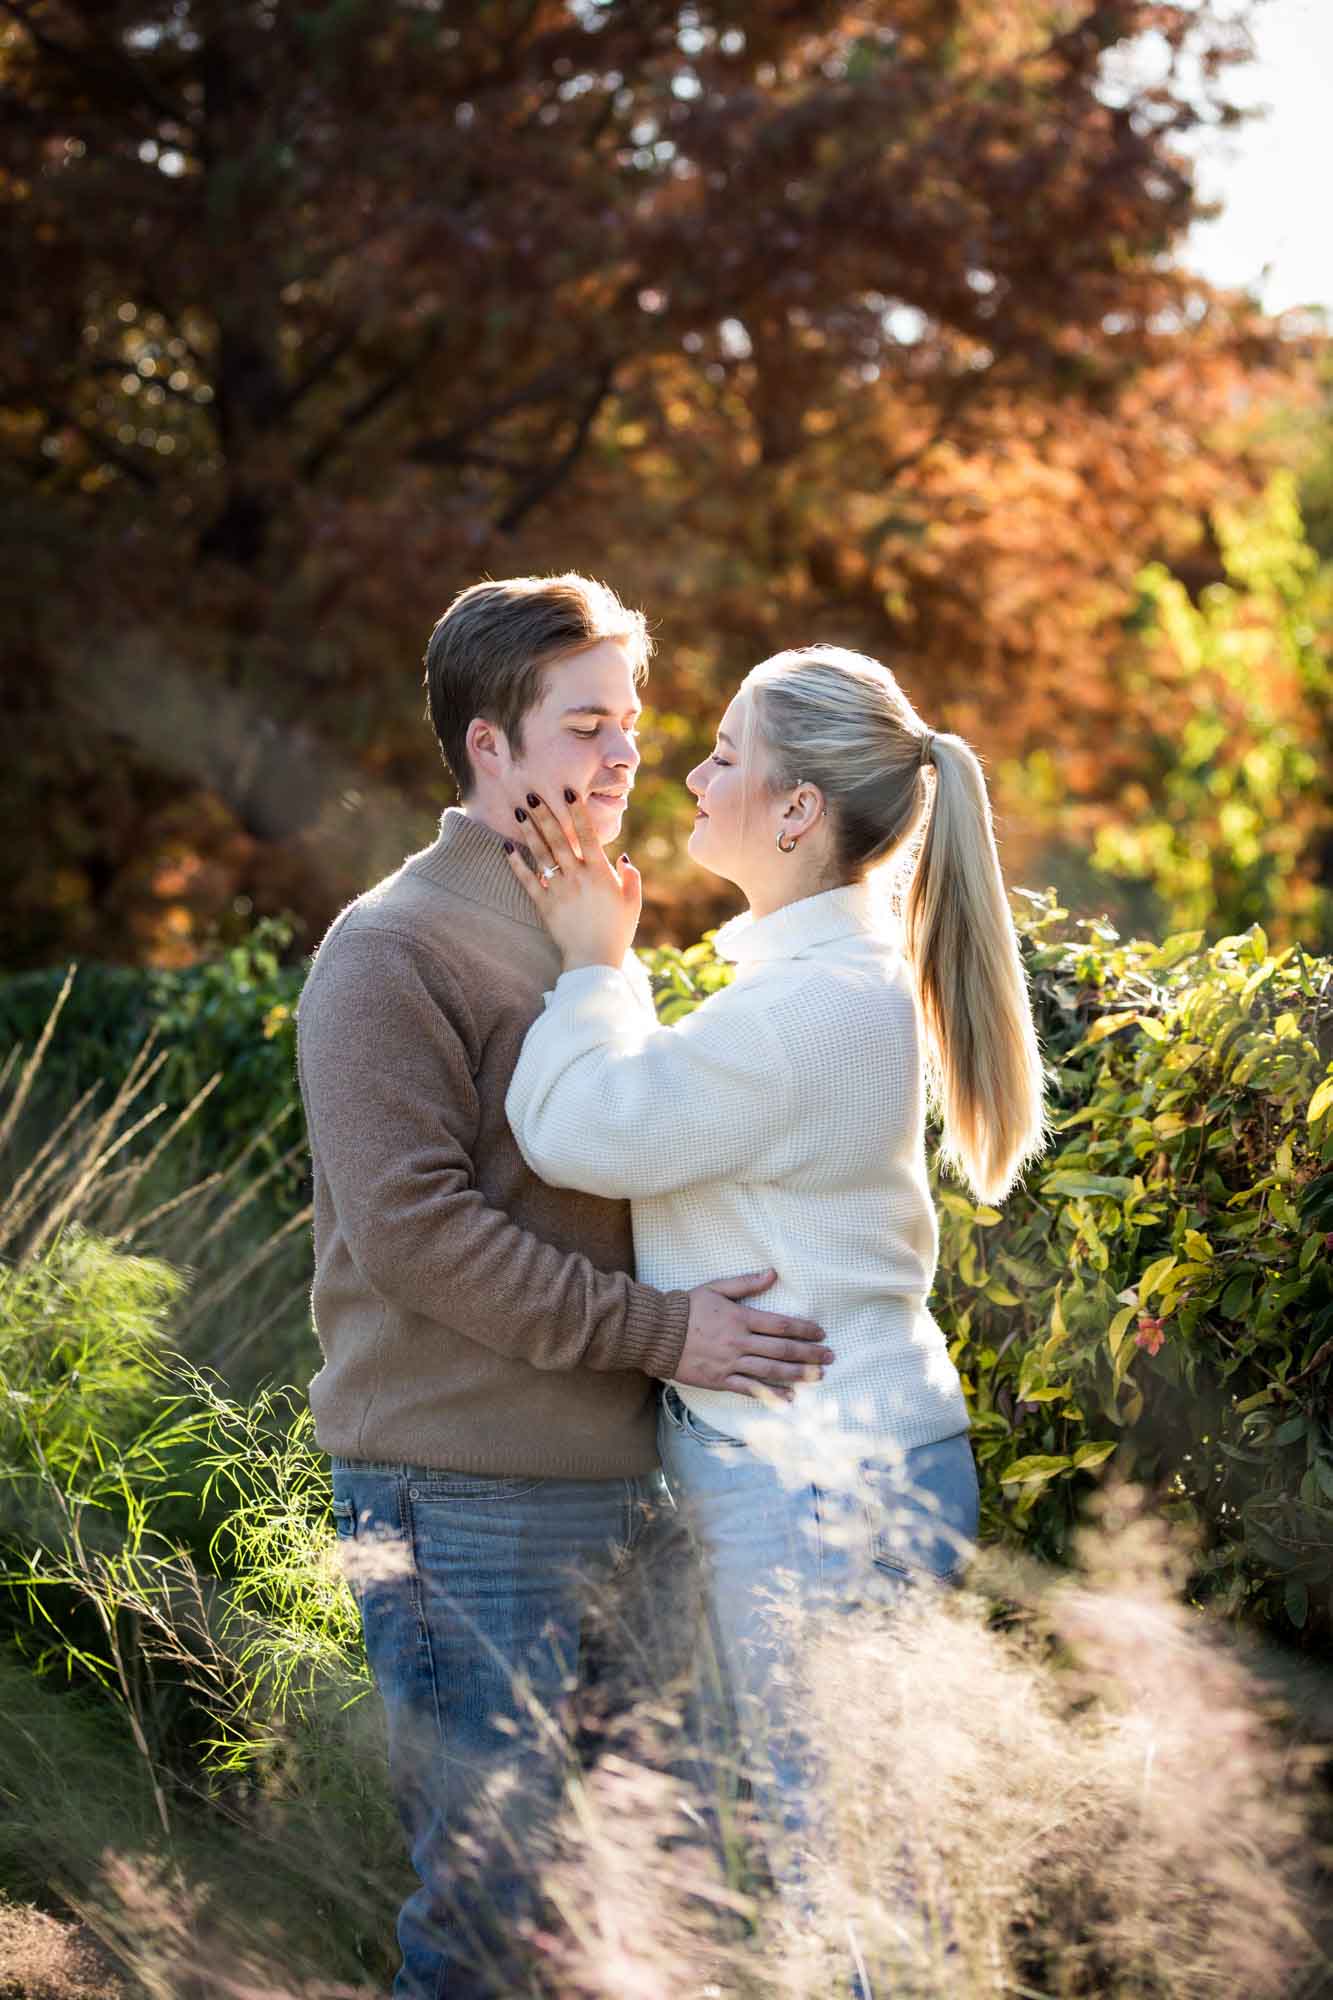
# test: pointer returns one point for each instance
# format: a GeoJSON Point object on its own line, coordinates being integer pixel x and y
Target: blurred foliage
{"type": "Point", "coordinates": [794, 323]}
{"type": "Point", "coordinates": [1228, 818]}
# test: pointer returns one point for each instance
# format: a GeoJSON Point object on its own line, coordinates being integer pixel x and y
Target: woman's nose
{"type": "Point", "coordinates": [693, 782]}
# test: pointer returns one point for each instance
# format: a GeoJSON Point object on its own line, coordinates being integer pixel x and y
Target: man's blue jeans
{"type": "Point", "coordinates": [476, 1595]}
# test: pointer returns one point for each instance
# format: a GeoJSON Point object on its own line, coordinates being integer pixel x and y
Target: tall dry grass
{"type": "Point", "coordinates": [1055, 1784]}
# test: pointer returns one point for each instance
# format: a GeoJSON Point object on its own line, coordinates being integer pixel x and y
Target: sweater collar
{"type": "Point", "coordinates": [469, 858]}
{"type": "Point", "coordinates": [798, 927]}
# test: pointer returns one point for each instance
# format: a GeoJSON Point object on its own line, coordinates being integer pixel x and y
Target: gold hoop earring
{"type": "Point", "coordinates": [784, 846]}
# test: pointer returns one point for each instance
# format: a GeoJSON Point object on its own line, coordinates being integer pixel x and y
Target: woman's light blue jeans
{"type": "Point", "coordinates": [775, 1554]}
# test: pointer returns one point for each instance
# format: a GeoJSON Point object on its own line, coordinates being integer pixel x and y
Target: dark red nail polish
{"type": "Point", "coordinates": [624, 857]}
{"type": "Point", "coordinates": [533, 800]}
{"type": "Point", "coordinates": [509, 847]}
{"type": "Point", "coordinates": [519, 813]}
{"type": "Point", "coordinates": [570, 796]}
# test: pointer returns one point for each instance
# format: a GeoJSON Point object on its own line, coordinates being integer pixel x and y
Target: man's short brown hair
{"type": "Point", "coordinates": [488, 653]}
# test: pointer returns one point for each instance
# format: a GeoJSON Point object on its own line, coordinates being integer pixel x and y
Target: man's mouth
{"type": "Point", "coordinates": [610, 798]}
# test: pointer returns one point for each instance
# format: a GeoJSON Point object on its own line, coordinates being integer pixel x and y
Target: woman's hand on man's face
{"type": "Point", "coordinates": [590, 908]}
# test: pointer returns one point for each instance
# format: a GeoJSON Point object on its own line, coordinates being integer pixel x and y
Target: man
{"type": "Point", "coordinates": [487, 1393]}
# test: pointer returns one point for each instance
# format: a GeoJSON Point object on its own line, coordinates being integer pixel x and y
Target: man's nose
{"type": "Point", "coordinates": [625, 754]}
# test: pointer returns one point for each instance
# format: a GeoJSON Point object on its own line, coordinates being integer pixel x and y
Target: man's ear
{"type": "Point", "coordinates": [487, 746]}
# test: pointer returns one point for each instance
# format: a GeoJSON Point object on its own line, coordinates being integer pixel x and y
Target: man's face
{"type": "Point", "coordinates": [582, 733]}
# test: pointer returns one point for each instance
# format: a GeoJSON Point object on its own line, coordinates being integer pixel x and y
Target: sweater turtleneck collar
{"type": "Point", "coordinates": [469, 857]}
{"type": "Point", "coordinates": [797, 927]}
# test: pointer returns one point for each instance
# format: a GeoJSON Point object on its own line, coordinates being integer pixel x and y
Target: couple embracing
{"type": "Point", "coordinates": [579, 1276]}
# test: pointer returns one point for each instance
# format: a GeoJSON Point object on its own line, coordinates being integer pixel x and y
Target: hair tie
{"type": "Point", "coordinates": [928, 747]}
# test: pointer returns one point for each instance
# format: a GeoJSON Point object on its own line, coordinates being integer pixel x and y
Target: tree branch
{"type": "Point", "coordinates": [546, 481]}
{"type": "Point", "coordinates": [368, 405]}
{"type": "Point", "coordinates": [322, 365]}
{"type": "Point", "coordinates": [444, 450]}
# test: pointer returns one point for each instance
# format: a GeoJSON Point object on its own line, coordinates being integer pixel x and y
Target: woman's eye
{"type": "Point", "coordinates": [715, 759]}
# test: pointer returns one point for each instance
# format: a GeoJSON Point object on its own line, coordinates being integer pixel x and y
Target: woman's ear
{"type": "Point", "coordinates": [806, 807]}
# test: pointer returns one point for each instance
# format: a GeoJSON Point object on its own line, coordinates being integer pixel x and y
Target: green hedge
{"type": "Point", "coordinates": [1159, 1291]}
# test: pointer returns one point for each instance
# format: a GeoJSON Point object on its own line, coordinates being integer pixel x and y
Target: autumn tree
{"type": "Point", "coordinates": [794, 320]}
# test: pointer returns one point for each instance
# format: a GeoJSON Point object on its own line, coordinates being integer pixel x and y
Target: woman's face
{"type": "Point", "coordinates": [738, 813]}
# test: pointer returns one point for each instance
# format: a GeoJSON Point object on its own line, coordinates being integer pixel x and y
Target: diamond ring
{"type": "Point", "coordinates": [546, 873]}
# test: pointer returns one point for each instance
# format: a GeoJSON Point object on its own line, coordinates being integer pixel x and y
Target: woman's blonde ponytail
{"type": "Point", "coordinates": [982, 1055]}
{"type": "Point", "coordinates": [839, 720]}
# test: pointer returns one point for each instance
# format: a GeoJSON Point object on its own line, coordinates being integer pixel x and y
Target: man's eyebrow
{"type": "Point", "coordinates": [592, 708]}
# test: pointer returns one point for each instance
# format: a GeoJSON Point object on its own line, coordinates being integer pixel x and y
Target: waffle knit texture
{"type": "Point", "coordinates": [471, 1317]}
{"type": "Point", "coordinates": [782, 1123]}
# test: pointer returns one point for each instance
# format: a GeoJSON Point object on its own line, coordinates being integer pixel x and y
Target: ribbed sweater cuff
{"type": "Point", "coordinates": [655, 1327]}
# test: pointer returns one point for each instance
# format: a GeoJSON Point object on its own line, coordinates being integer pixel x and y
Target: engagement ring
{"type": "Point", "coordinates": [547, 873]}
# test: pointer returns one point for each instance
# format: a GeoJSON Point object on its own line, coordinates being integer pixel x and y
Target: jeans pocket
{"type": "Point", "coordinates": [672, 1408]}
{"type": "Point", "coordinates": [923, 1515]}
{"type": "Point", "coordinates": [473, 1486]}
{"type": "Point", "coordinates": [703, 1433]}
{"type": "Point", "coordinates": [344, 1519]}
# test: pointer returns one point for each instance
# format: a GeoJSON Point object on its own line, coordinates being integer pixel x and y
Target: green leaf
{"type": "Point", "coordinates": [1108, 1024]}
{"type": "Point", "coordinates": [1170, 952]}
{"type": "Point", "coordinates": [1198, 1246]}
{"type": "Point", "coordinates": [1320, 1102]}
{"type": "Point", "coordinates": [1031, 1374]}
{"type": "Point", "coordinates": [1059, 1331]}
{"type": "Point", "coordinates": [1155, 1030]}
{"type": "Point", "coordinates": [955, 1203]}
{"type": "Point", "coordinates": [1185, 1273]}
{"type": "Point", "coordinates": [1034, 1471]}
{"type": "Point", "coordinates": [1236, 1297]}
{"type": "Point", "coordinates": [1115, 1333]}
{"type": "Point", "coordinates": [1283, 1209]}
{"type": "Point", "coordinates": [1297, 1601]}
{"type": "Point", "coordinates": [1070, 1181]}
{"type": "Point", "coordinates": [1153, 1277]}
{"type": "Point", "coordinates": [1090, 1453]}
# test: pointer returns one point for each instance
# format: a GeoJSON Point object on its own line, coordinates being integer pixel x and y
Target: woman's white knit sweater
{"type": "Point", "coordinates": [781, 1124]}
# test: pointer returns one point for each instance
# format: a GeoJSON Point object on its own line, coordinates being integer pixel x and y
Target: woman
{"type": "Point", "coordinates": [782, 1124]}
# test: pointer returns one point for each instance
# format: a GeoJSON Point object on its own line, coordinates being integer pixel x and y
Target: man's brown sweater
{"type": "Point", "coordinates": [471, 1318]}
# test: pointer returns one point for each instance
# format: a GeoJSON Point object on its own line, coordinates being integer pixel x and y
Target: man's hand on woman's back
{"type": "Point", "coordinates": [733, 1345]}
